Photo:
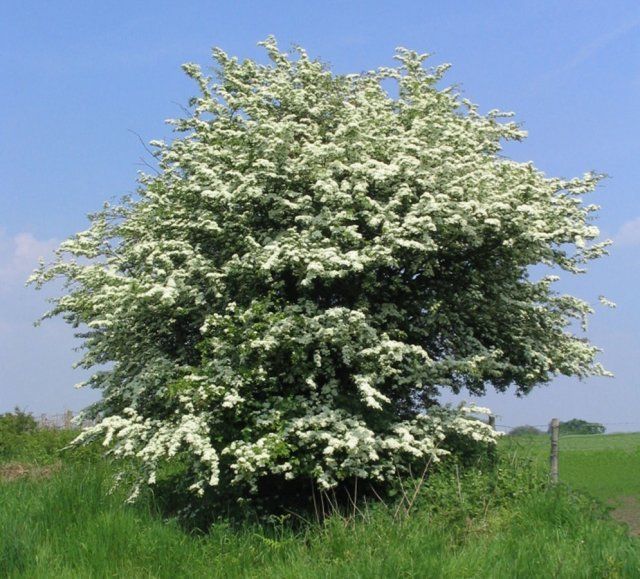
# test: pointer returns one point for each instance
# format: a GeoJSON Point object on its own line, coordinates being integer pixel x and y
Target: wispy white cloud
{"type": "Point", "coordinates": [19, 256]}
{"type": "Point", "coordinates": [589, 50]}
{"type": "Point", "coordinates": [629, 234]}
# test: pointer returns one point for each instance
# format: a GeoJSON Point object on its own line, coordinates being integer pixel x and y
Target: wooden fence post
{"type": "Point", "coordinates": [492, 421]}
{"type": "Point", "coordinates": [555, 429]}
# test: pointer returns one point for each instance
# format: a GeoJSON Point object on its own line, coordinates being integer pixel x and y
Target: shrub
{"type": "Point", "coordinates": [13, 426]}
{"type": "Point", "coordinates": [23, 440]}
{"type": "Point", "coordinates": [313, 263]}
{"type": "Point", "coordinates": [17, 422]}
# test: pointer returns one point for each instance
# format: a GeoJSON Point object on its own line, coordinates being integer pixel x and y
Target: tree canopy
{"type": "Point", "coordinates": [579, 426]}
{"type": "Point", "coordinates": [525, 430]}
{"type": "Point", "coordinates": [318, 257]}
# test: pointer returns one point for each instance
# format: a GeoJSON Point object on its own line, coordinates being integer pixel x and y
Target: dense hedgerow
{"type": "Point", "coordinates": [315, 261]}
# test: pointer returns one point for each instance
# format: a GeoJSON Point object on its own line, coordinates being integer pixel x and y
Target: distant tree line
{"type": "Point", "coordinates": [577, 426]}
{"type": "Point", "coordinates": [525, 430]}
{"type": "Point", "coordinates": [573, 426]}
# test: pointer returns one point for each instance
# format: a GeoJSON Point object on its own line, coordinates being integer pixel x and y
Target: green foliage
{"type": "Point", "coordinates": [459, 493]}
{"type": "Point", "coordinates": [23, 440]}
{"type": "Point", "coordinates": [17, 422]}
{"type": "Point", "coordinates": [525, 430]}
{"type": "Point", "coordinates": [578, 426]}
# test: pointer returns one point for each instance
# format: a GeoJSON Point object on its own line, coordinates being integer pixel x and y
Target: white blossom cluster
{"type": "Point", "coordinates": [316, 259]}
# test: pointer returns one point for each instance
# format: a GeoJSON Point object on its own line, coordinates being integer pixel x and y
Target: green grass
{"type": "Point", "coordinates": [605, 465]}
{"type": "Point", "coordinates": [466, 523]}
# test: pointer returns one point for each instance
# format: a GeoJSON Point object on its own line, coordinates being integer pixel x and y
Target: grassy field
{"type": "Point", "coordinates": [605, 465]}
{"type": "Point", "coordinates": [57, 519]}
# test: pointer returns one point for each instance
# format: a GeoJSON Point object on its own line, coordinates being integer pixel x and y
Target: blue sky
{"type": "Point", "coordinates": [79, 78]}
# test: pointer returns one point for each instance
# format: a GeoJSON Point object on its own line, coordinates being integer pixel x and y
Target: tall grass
{"type": "Point", "coordinates": [468, 524]}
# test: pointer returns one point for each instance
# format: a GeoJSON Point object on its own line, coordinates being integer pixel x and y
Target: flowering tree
{"type": "Point", "coordinates": [316, 259]}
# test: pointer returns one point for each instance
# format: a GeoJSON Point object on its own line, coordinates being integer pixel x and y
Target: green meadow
{"type": "Point", "coordinates": [606, 466]}
{"type": "Point", "coordinates": [59, 518]}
